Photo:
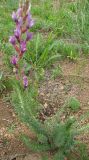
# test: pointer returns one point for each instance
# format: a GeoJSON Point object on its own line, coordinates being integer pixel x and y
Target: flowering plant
{"type": "Point", "coordinates": [19, 40]}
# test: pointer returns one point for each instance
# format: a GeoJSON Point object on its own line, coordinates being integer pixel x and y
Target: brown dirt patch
{"type": "Point", "coordinates": [74, 82]}
{"type": "Point", "coordinates": [10, 130]}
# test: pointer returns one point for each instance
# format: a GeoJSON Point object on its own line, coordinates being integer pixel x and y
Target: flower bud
{"type": "Point", "coordinates": [25, 81]}
{"type": "Point", "coordinates": [14, 17]}
{"type": "Point", "coordinates": [23, 46]}
{"type": "Point", "coordinates": [14, 60]}
{"type": "Point", "coordinates": [12, 40]}
{"type": "Point", "coordinates": [29, 36]}
{"type": "Point", "coordinates": [30, 21]}
{"type": "Point", "coordinates": [17, 32]}
{"type": "Point", "coordinates": [19, 12]}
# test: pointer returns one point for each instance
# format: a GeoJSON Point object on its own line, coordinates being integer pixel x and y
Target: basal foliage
{"type": "Point", "coordinates": [54, 135]}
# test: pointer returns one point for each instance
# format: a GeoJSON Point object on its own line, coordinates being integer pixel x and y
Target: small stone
{"type": "Point", "coordinates": [42, 94]}
{"type": "Point", "coordinates": [13, 115]}
{"type": "Point", "coordinates": [45, 105]}
{"type": "Point", "coordinates": [62, 87]}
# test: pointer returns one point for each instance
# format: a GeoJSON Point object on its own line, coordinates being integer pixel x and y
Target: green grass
{"type": "Point", "coordinates": [69, 23]}
{"type": "Point", "coordinates": [6, 25]}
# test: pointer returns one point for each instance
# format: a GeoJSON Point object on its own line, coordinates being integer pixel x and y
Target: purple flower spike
{"type": "Point", "coordinates": [29, 36]}
{"type": "Point", "coordinates": [25, 81]}
{"type": "Point", "coordinates": [14, 60]}
{"type": "Point", "coordinates": [12, 40]}
{"type": "Point", "coordinates": [23, 22]}
{"type": "Point", "coordinates": [14, 17]}
{"type": "Point", "coordinates": [23, 46]}
{"type": "Point", "coordinates": [17, 33]}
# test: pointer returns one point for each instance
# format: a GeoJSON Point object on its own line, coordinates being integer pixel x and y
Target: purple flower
{"type": "Point", "coordinates": [19, 11]}
{"type": "Point", "coordinates": [14, 60]}
{"type": "Point", "coordinates": [29, 36]}
{"type": "Point", "coordinates": [25, 81]}
{"type": "Point", "coordinates": [20, 22]}
{"type": "Point", "coordinates": [14, 17]}
{"type": "Point", "coordinates": [17, 32]}
{"type": "Point", "coordinates": [12, 40]}
{"type": "Point", "coordinates": [29, 16]}
{"type": "Point", "coordinates": [30, 21]}
{"type": "Point", "coordinates": [23, 46]}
